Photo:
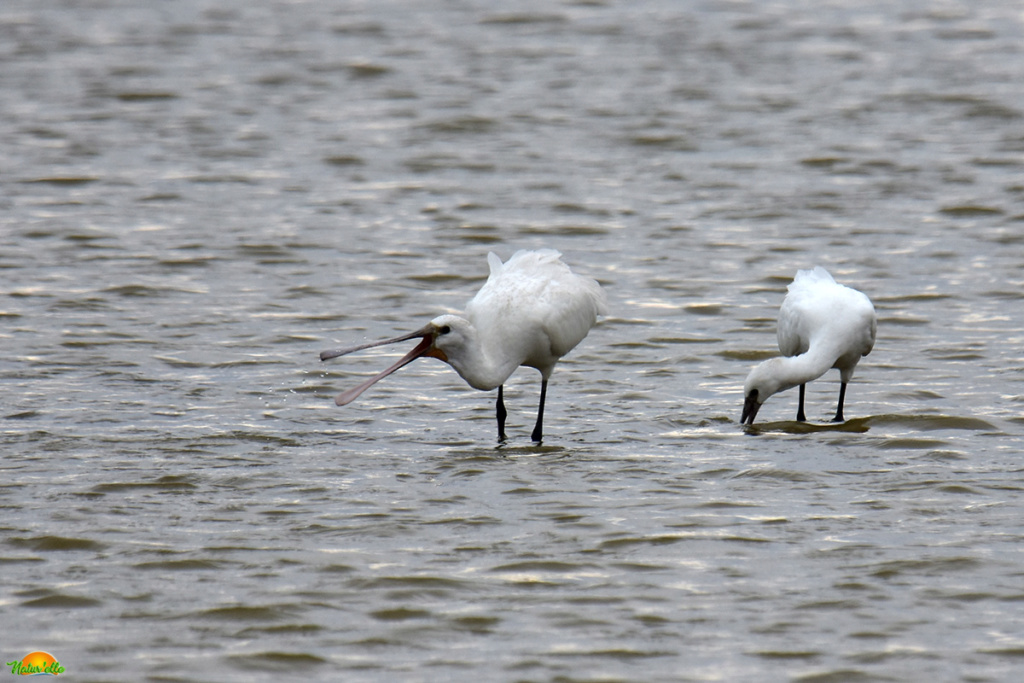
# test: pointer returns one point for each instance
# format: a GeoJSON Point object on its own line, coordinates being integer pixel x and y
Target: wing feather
{"type": "Point", "coordinates": [535, 294]}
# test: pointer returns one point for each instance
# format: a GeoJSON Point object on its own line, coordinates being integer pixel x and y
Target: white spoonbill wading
{"type": "Point", "coordinates": [531, 311]}
{"type": "Point", "coordinates": [822, 325]}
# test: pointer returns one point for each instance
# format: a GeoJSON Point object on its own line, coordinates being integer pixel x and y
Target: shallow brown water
{"type": "Point", "coordinates": [199, 197]}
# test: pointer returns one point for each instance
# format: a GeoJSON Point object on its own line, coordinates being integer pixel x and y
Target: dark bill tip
{"type": "Point", "coordinates": [750, 408]}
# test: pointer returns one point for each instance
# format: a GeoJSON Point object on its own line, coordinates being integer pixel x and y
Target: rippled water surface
{"type": "Point", "coordinates": [198, 197]}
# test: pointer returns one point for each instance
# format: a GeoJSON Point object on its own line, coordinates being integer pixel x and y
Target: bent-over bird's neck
{"type": "Point", "coordinates": [479, 360]}
{"type": "Point", "coordinates": [786, 372]}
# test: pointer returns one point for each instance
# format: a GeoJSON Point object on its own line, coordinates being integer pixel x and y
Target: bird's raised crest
{"type": "Point", "coordinates": [809, 277]}
{"type": "Point", "coordinates": [494, 261]}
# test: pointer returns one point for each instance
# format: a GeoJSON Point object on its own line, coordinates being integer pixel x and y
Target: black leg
{"type": "Point", "coordinates": [538, 430]}
{"type": "Point", "coordinates": [501, 412]}
{"type": "Point", "coordinates": [839, 408]}
{"type": "Point", "coordinates": [800, 417]}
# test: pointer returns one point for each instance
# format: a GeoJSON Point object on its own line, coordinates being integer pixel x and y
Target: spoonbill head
{"type": "Point", "coordinates": [822, 325]}
{"type": "Point", "coordinates": [531, 311]}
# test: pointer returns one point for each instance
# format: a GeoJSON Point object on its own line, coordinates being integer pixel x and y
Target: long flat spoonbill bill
{"type": "Point", "coordinates": [531, 311]}
{"type": "Point", "coordinates": [822, 325]}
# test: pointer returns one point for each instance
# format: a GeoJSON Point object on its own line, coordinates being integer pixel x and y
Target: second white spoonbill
{"type": "Point", "coordinates": [822, 325]}
{"type": "Point", "coordinates": [531, 311]}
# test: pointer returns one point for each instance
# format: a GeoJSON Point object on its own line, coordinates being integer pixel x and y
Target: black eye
{"type": "Point", "coordinates": [445, 330]}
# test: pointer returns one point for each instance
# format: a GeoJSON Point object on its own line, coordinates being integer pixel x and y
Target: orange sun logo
{"type": "Point", "coordinates": [36, 663]}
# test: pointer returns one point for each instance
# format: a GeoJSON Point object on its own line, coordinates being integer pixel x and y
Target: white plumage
{"type": "Point", "coordinates": [822, 325]}
{"type": "Point", "coordinates": [531, 311]}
